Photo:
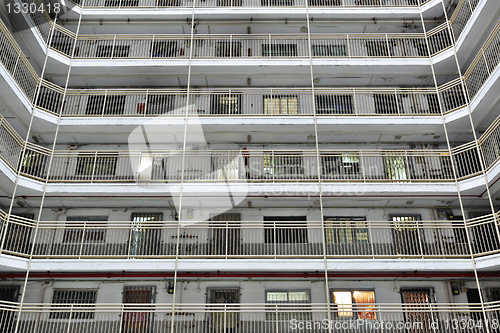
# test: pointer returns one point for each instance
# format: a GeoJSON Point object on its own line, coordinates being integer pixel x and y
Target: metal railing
{"type": "Point", "coordinates": [249, 317]}
{"type": "Point", "coordinates": [249, 239]}
{"type": "Point", "coordinates": [461, 16]}
{"type": "Point", "coordinates": [249, 3]}
{"type": "Point", "coordinates": [484, 64]}
{"type": "Point", "coordinates": [268, 166]}
{"type": "Point", "coordinates": [269, 46]}
{"type": "Point", "coordinates": [137, 102]}
{"type": "Point", "coordinates": [251, 101]}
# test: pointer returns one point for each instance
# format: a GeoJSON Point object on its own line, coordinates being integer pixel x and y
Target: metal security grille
{"type": "Point", "coordinates": [77, 297]}
{"type": "Point", "coordinates": [144, 239]}
{"type": "Point", "coordinates": [406, 234]}
{"type": "Point", "coordinates": [223, 321]}
{"type": "Point", "coordinates": [295, 234]}
{"type": "Point", "coordinates": [494, 295]}
{"type": "Point", "coordinates": [135, 321]}
{"type": "Point", "coordinates": [415, 298]}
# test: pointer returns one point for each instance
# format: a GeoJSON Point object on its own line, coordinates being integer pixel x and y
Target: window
{"type": "Point", "coordinates": [377, 49]}
{"type": "Point", "coordinates": [281, 104]}
{"type": "Point", "coordinates": [288, 234]}
{"type": "Point", "coordinates": [9, 293]}
{"type": "Point", "coordinates": [229, 3]}
{"type": "Point", "coordinates": [280, 3]}
{"type": "Point", "coordinates": [288, 297]}
{"type": "Point", "coordinates": [346, 230]}
{"type": "Point", "coordinates": [325, 3]}
{"type": "Point", "coordinates": [77, 297]}
{"type": "Point", "coordinates": [92, 235]}
{"type": "Point", "coordinates": [107, 51]}
{"type": "Point", "coordinates": [406, 234]}
{"type": "Point", "coordinates": [279, 50]}
{"type": "Point", "coordinates": [110, 105]}
{"type": "Point", "coordinates": [334, 104]}
{"type": "Point", "coordinates": [158, 104]}
{"type": "Point", "coordinates": [104, 166]}
{"type": "Point", "coordinates": [164, 48]}
{"type": "Point", "coordinates": [494, 295]}
{"type": "Point", "coordinates": [122, 3]}
{"type": "Point", "coordinates": [385, 104]}
{"type": "Point", "coordinates": [395, 166]}
{"type": "Point", "coordinates": [228, 49]}
{"type": "Point", "coordinates": [354, 304]}
{"type": "Point", "coordinates": [341, 166]}
{"type": "Point", "coordinates": [329, 50]}
{"type": "Point", "coordinates": [226, 104]}
{"type": "Point", "coordinates": [283, 165]}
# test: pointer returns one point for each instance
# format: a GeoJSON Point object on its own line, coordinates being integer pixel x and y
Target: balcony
{"type": "Point", "coordinates": [247, 317]}
{"type": "Point", "coordinates": [369, 240]}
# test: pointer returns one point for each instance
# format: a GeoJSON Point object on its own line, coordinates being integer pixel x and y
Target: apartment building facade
{"type": "Point", "coordinates": [249, 166]}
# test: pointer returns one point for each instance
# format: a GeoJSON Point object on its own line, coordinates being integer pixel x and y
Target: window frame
{"type": "Point", "coordinates": [101, 232]}
{"type": "Point", "coordinates": [270, 312]}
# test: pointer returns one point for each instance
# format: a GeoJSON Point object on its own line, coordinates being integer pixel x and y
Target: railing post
{"type": "Point", "coordinates": [277, 319]}
{"type": "Point", "coordinates": [269, 46]}
{"type": "Point", "coordinates": [229, 103]}
{"type": "Point", "coordinates": [225, 317]}
{"type": "Point", "coordinates": [397, 102]}
{"type": "Point", "coordinates": [275, 243]}
{"type": "Point", "coordinates": [231, 44]}
{"type": "Point", "coordinates": [70, 317]}
{"type": "Point", "coordinates": [152, 47]}
{"type": "Point", "coordinates": [485, 61]}
{"type": "Point", "coordinates": [388, 47]}
{"type": "Point", "coordinates": [113, 47]}
{"type": "Point", "coordinates": [272, 103]}
{"type": "Point", "coordinates": [83, 237]}
{"type": "Point", "coordinates": [146, 103]}
{"type": "Point", "coordinates": [227, 238]}
{"type": "Point", "coordinates": [348, 46]}
{"type": "Point", "coordinates": [420, 239]}
{"type": "Point", "coordinates": [407, 166]}
{"type": "Point", "coordinates": [15, 66]}
{"type": "Point", "coordinates": [93, 167]}
{"type": "Point", "coordinates": [370, 238]}
{"type": "Point", "coordinates": [104, 102]}
{"type": "Point", "coordinates": [363, 171]}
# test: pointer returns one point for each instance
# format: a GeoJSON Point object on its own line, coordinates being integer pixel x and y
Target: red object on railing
{"type": "Point", "coordinates": [249, 52]}
{"type": "Point", "coordinates": [181, 51]}
{"type": "Point", "coordinates": [141, 107]}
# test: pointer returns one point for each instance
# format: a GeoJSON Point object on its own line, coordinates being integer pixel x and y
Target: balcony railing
{"type": "Point", "coordinates": [231, 102]}
{"type": "Point", "coordinates": [272, 46]}
{"type": "Point", "coordinates": [249, 317]}
{"type": "Point", "coordinates": [248, 3]}
{"type": "Point", "coordinates": [250, 239]}
{"type": "Point", "coordinates": [147, 102]}
{"type": "Point", "coordinates": [461, 15]}
{"type": "Point", "coordinates": [253, 165]}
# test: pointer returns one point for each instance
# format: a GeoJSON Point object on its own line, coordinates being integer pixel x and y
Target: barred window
{"type": "Point", "coordinates": [66, 297]}
{"type": "Point", "coordinates": [295, 234]}
{"type": "Point", "coordinates": [89, 235]}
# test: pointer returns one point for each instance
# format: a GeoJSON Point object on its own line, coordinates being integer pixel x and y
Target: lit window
{"type": "Point", "coordinates": [360, 304]}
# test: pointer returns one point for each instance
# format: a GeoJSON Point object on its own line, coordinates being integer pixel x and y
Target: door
{"type": "Point", "coordinates": [145, 234]}
{"type": "Point", "coordinates": [8, 318]}
{"type": "Point", "coordinates": [221, 321]}
{"type": "Point", "coordinates": [407, 240]}
{"type": "Point", "coordinates": [226, 240]}
{"type": "Point", "coordinates": [474, 301]}
{"type": "Point", "coordinates": [417, 315]}
{"type": "Point", "coordinates": [135, 321]}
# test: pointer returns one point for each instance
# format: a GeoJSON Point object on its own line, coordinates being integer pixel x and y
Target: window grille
{"type": "Point", "coordinates": [295, 234]}
{"type": "Point", "coordinates": [77, 297]}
